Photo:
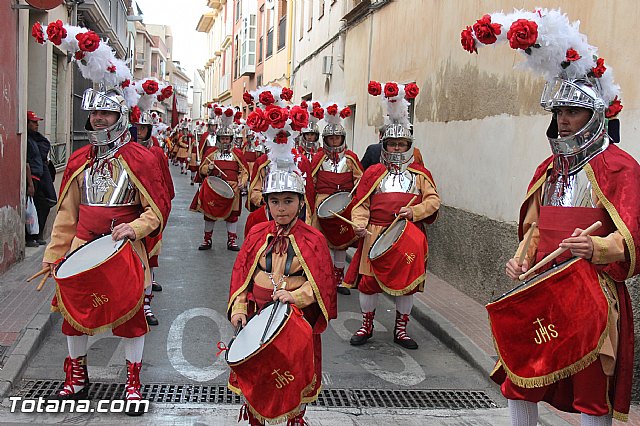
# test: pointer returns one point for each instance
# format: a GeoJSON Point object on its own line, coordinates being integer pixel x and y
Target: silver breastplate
{"type": "Point", "coordinates": [211, 140]}
{"type": "Point", "coordinates": [575, 192]}
{"type": "Point", "coordinates": [403, 182]}
{"type": "Point", "coordinates": [107, 184]}
{"type": "Point", "coordinates": [223, 156]}
{"type": "Point", "coordinates": [336, 167]}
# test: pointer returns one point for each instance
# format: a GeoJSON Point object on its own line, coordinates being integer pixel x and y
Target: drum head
{"type": "Point", "coordinates": [88, 255]}
{"type": "Point", "coordinates": [386, 240]}
{"type": "Point", "coordinates": [337, 202]}
{"type": "Point", "coordinates": [247, 341]}
{"type": "Point", "coordinates": [220, 187]}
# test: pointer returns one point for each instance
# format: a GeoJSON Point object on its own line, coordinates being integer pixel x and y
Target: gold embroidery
{"type": "Point", "coordinates": [99, 299]}
{"type": "Point", "coordinates": [283, 379]}
{"type": "Point", "coordinates": [410, 257]}
{"type": "Point", "coordinates": [545, 332]}
{"type": "Point", "coordinates": [343, 229]}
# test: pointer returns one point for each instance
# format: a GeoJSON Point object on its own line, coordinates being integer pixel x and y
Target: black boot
{"type": "Point", "coordinates": [400, 332]}
{"type": "Point", "coordinates": [365, 332]}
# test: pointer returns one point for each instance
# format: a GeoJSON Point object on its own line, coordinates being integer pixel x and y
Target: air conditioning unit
{"type": "Point", "coordinates": [327, 65]}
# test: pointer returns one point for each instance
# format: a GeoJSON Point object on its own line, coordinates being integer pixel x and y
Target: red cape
{"type": "Point", "coordinates": [319, 157]}
{"type": "Point", "coordinates": [148, 180]}
{"type": "Point", "coordinates": [311, 248]}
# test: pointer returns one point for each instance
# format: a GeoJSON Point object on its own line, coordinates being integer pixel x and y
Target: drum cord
{"type": "Point", "coordinates": [287, 265]}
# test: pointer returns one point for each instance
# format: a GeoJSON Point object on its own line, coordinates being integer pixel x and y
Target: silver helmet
{"type": "Point", "coordinates": [334, 129]}
{"type": "Point", "coordinates": [282, 180]}
{"type": "Point", "coordinates": [396, 162]}
{"type": "Point", "coordinates": [109, 100]}
{"type": "Point", "coordinates": [224, 131]}
{"type": "Point", "coordinates": [582, 93]}
{"type": "Point", "coordinates": [310, 146]}
{"type": "Point", "coordinates": [238, 139]}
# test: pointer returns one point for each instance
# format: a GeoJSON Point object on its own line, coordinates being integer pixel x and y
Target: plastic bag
{"type": "Point", "coordinates": [31, 217]}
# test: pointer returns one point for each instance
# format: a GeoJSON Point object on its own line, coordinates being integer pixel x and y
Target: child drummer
{"type": "Point", "coordinates": [284, 252]}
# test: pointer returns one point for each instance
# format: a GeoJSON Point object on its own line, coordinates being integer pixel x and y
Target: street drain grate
{"type": "Point", "coordinates": [330, 398]}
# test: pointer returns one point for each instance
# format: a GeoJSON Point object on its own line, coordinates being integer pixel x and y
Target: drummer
{"type": "Point", "coordinates": [383, 192]}
{"type": "Point", "coordinates": [334, 169]}
{"type": "Point", "coordinates": [227, 163]}
{"type": "Point", "coordinates": [137, 207]}
{"type": "Point", "coordinates": [183, 147]}
{"type": "Point", "coordinates": [573, 188]}
{"type": "Point", "coordinates": [193, 157]}
{"type": "Point", "coordinates": [286, 243]}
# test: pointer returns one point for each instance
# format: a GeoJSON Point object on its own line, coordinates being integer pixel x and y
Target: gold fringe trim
{"type": "Point", "coordinates": [234, 389]}
{"type": "Point", "coordinates": [418, 281]}
{"type": "Point", "coordinates": [91, 331]}
{"type": "Point", "coordinates": [310, 278]}
{"type": "Point", "coordinates": [615, 216]}
{"type": "Point", "coordinates": [293, 413]}
{"type": "Point", "coordinates": [623, 417]}
{"type": "Point", "coordinates": [156, 249]}
{"type": "Point", "coordinates": [548, 379]}
{"type": "Point", "coordinates": [63, 191]}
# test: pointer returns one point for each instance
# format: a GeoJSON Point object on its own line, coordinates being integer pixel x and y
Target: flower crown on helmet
{"type": "Point", "coordinates": [394, 99]}
{"type": "Point", "coordinates": [278, 123]}
{"type": "Point", "coordinates": [314, 109]}
{"type": "Point", "coordinates": [552, 46]}
{"type": "Point", "coordinates": [335, 113]}
{"type": "Point", "coordinates": [225, 114]}
{"type": "Point", "coordinates": [141, 94]}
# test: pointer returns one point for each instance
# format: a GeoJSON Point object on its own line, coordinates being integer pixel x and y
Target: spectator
{"type": "Point", "coordinates": [44, 196]}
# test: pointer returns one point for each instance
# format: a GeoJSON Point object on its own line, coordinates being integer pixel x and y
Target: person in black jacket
{"type": "Point", "coordinates": [44, 193]}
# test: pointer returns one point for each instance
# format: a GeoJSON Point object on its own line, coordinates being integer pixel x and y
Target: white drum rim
{"type": "Point", "coordinates": [287, 315]}
{"type": "Point", "coordinates": [401, 223]}
{"type": "Point", "coordinates": [327, 214]}
{"type": "Point", "coordinates": [118, 246]}
{"type": "Point", "coordinates": [220, 185]}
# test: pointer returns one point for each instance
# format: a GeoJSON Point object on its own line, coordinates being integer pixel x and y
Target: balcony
{"type": "Point", "coordinates": [139, 60]}
{"type": "Point", "coordinates": [225, 84]}
{"type": "Point", "coordinates": [109, 19]}
{"type": "Point", "coordinates": [353, 9]}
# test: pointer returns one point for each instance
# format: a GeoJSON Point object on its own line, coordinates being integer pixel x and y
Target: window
{"type": "Point", "coordinates": [260, 42]}
{"type": "Point", "coordinates": [238, 9]}
{"type": "Point", "coordinates": [350, 126]}
{"type": "Point", "coordinates": [301, 20]}
{"type": "Point", "coordinates": [58, 151]}
{"type": "Point", "coordinates": [282, 32]}
{"type": "Point", "coordinates": [310, 20]}
{"type": "Point", "coordinates": [320, 9]}
{"type": "Point", "coordinates": [259, 80]}
{"type": "Point", "coordinates": [262, 23]}
{"type": "Point", "coordinates": [269, 33]}
{"type": "Point", "coordinates": [236, 55]}
{"type": "Point", "coordinates": [248, 45]}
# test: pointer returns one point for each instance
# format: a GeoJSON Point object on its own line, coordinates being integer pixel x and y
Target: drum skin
{"type": "Point", "coordinates": [275, 378]}
{"type": "Point", "coordinates": [552, 327]}
{"type": "Point", "coordinates": [215, 198]}
{"type": "Point", "coordinates": [97, 298]}
{"type": "Point", "coordinates": [339, 233]}
{"type": "Point", "coordinates": [398, 258]}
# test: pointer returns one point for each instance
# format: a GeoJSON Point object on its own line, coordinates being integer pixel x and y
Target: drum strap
{"type": "Point", "coordinates": [287, 264]}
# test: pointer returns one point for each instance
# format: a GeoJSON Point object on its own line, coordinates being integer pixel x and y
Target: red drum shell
{"type": "Point", "coordinates": [398, 258]}
{"type": "Point", "coordinates": [338, 233]}
{"type": "Point", "coordinates": [216, 198]}
{"type": "Point", "coordinates": [552, 326]}
{"type": "Point", "coordinates": [276, 377]}
{"type": "Point", "coordinates": [91, 292]}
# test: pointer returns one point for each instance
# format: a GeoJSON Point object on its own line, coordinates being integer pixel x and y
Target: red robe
{"type": "Point", "coordinates": [607, 172]}
{"type": "Point", "coordinates": [153, 244]}
{"type": "Point", "coordinates": [320, 156]}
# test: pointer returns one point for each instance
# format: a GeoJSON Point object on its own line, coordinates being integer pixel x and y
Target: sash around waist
{"type": "Point", "coordinates": [385, 205]}
{"type": "Point", "coordinates": [94, 221]}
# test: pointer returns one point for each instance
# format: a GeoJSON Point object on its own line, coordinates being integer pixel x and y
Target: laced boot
{"type": "Point", "coordinates": [148, 313]}
{"type": "Point", "coordinates": [400, 332]}
{"type": "Point", "coordinates": [338, 274]}
{"type": "Point", "coordinates": [206, 244]}
{"type": "Point", "coordinates": [133, 389]}
{"type": "Point", "coordinates": [365, 332]}
{"type": "Point", "coordinates": [76, 382]}
{"type": "Point", "coordinates": [231, 242]}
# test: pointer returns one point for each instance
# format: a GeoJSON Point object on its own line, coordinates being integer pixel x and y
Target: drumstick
{"type": "Point", "coordinates": [525, 249]}
{"type": "Point", "coordinates": [557, 252]}
{"type": "Point", "coordinates": [37, 274]}
{"type": "Point", "coordinates": [219, 169]}
{"type": "Point", "coordinates": [42, 281]}
{"type": "Point", "coordinates": [345, 219]}
{"type": "Point", "coordinates": [273, 314]}
{"type": "Point", "coordinates": [354, 189]}
{"type": "Point", "coordinates": [398, 215]}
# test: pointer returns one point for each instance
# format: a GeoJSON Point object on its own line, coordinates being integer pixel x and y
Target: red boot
{"type": "Point", "coordinates": [231, 242]}
{"type": "Point", "coordinates": [76, 376]}
{"type": "Point", "coordinates": [297, 420]}
{"type": "Point", "coordinates": [400, 332]}
{"type": "Point", "coordinates": [133, 389]}
{"type": "Point", "coordinates": [365, 332]}
{"type": "Point", "coordinates": [206, 244]}
{"type": "Point", "coordinates": [338, 276]}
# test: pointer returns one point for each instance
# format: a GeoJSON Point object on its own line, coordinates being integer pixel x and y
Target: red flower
{"type": "Point", "coordinates": [238, 115]}
{"type": "Point", "coordinates": [209, 105]}
{"type": "Point", "coordinates": [167, 92]}
{"type": "Point", "coordinates": [346, 112]}
{"type": "Point", "coordinates": [135, 114]}
{"type": "Point", "coordinates": [228, 112]}
{"type": "Point", "coordinates": [79, 55]}
{"type": "Point", "coordinates": [411, 90]}
{"type": "Point", "coordinates": [56, 32]}
{"type": "Point", "coordinates": [286, 94]}
{"type": "Point", "coordinates": [247, 98]}
{"type": "Point", "coordinates": [332, 109]}
{"type": "Point", "coordinates": [599, 69]}
{"type": "Point", "coordinates": [160, 98]}
{"type": "Point", "coordinates": [150, 87]}
{"type": "Point", "coordinates": [522, 34]}
{"type": "Point", "coordinates": [276, 116]}
{"type": "Point", "coordinates": [281, 138]}
{"type": "Point", "coordinates": [467, 40]}
{"type": "Point", "coordinates": [37, 33]}
{"type": "Point", "coordinates": [304, 105]}
{"type": "Point", "coordinates": [266, 98]}
{"type": "Point", "coordinates": [111, 68]}
{"type": "Point", "coordinates": [485, 31]}
{"type": "Point", "coordinates": [299, 118]}
{"type": "Point", "coordinates": [391, 89]}
{"type": "Point", "coordinates": [614, 108]}
{"type": "Point", "coordinates": [125, 83]}
{"type": "Point", "coordinates": [217, 111]}
{"type": "Point", "coordinates": [88, 42]}
{"type": "Point", "coordinates": [572, 55]}
{"type": "Point", "coordinates": [374, 88]}
{"type": "Point", "coordinates": [318, 113]}
{"type": "Point", "coordinates": [316, 105]}
{"type": "Point", "coordinates": [257, 121]}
